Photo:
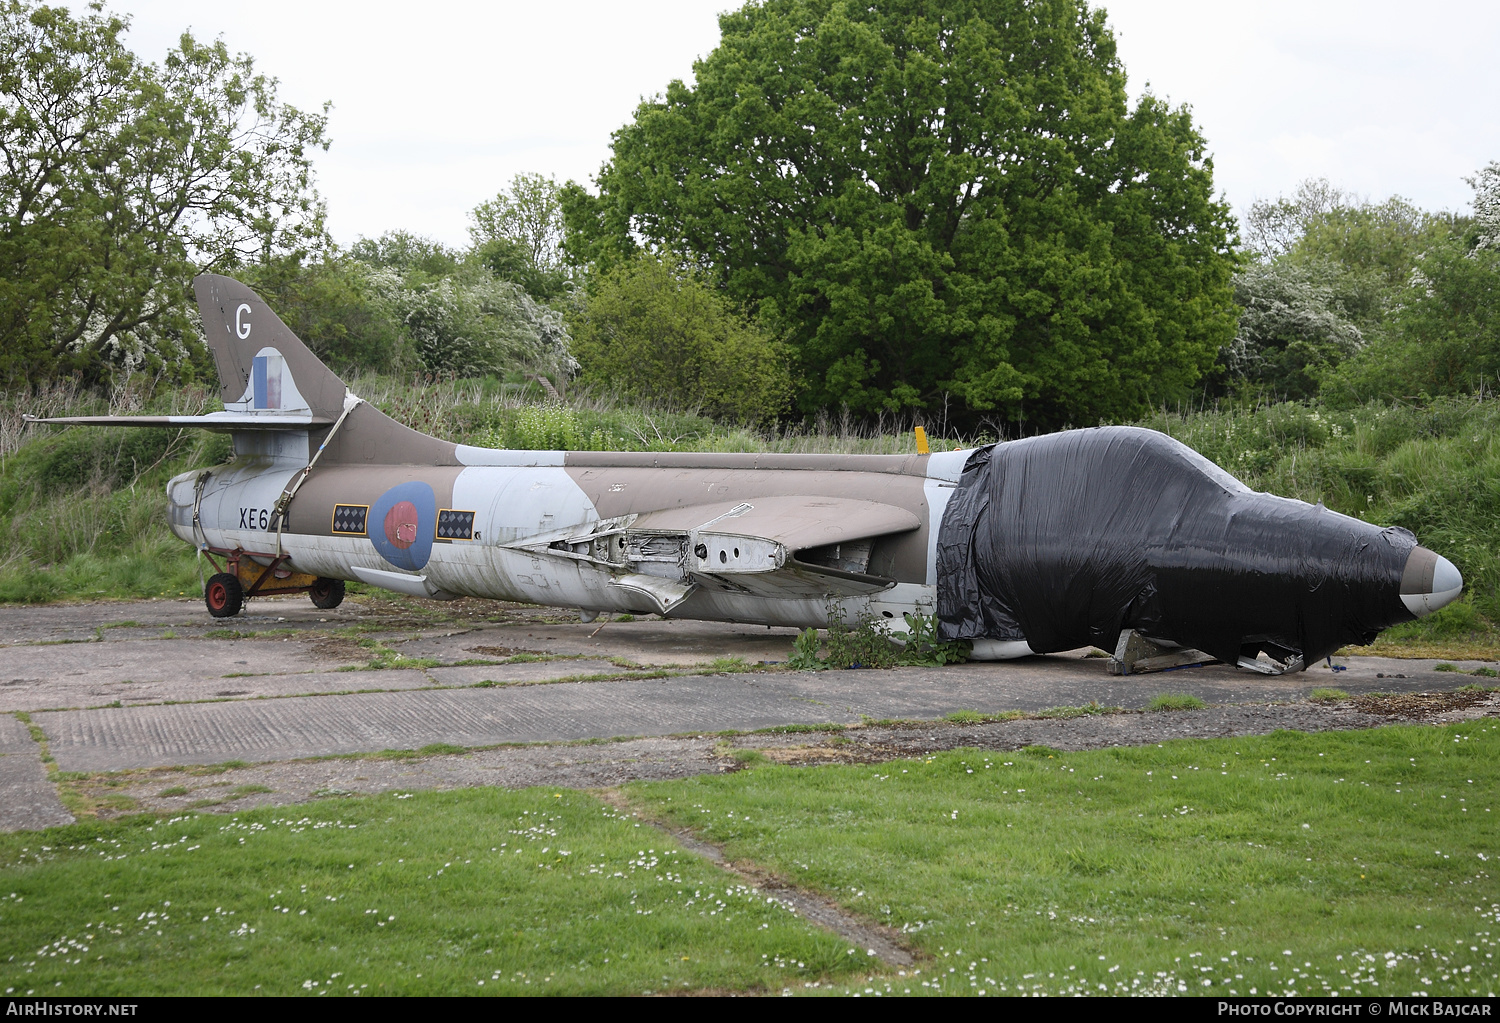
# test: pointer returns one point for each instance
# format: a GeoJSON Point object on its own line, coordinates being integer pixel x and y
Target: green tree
{"type": "Point", "coordinates": [1452, 324]}
{"type": "Point", "coordinates": [651, 332]}
{"type": "Point", "coordinates": [120, 180]}
{"type": "Point", "coordinates": [1321, 222]}
{"type": "Point", "coordinates": [1363, 251]}
{"type": "Point", "coordinates": [1273, 227]}
{"type": "Point", "coordinates": [1444, 338]}
{"type": "Point", "coordinates": [447, 311]}
{"type": "Point", "coordinates": [1329, 278]}
{"type": "Point", "coordinates": [518, 235]}
{"type": "Point", "coordinates": [1380, 241]}
{"type": "Point", "coordinates": [1443, 334]}
{"type": "Point", "coordinates": [471, 324]}
{"type": "Point", "coordinates": [933, 198]}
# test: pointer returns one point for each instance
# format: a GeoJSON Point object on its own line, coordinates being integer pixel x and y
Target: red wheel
{"type": "Point", "coordinates": [224, 595]}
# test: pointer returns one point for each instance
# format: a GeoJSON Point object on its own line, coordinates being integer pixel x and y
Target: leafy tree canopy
{"type": "Point", "coordinates": [1331, 277]}
{"type": "Point", "coordinates": [1321, 222]}
{"type": "Point", "coordinates": [334, 306]}
{"type": "Point", "coordinates": [934, 198]}
{"type": "Point", "coordinates": [1443, 331]}
{"type": "Point", "coordinates": [1444, 337]}
{"type": "Point", "coordinates": [1380, 240]}
{"type": "Point", "coordinates": [518, 235]}
{"type": "Point", "coordinates": [1273, 227]}
{"type": "Point", "coordinates": [401, 303]}
{"type": "Point", "coordinates": [120, 180]}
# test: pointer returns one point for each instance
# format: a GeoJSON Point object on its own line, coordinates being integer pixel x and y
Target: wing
{"type": "Point", "coordinates": [786, 546]}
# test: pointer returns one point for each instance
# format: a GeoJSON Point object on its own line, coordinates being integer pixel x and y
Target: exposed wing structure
{"type": "Point", "coordinates": [783, 547]}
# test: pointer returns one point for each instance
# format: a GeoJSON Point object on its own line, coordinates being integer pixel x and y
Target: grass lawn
{"type": "Point", "coordinates": [1344, 861]}
{"type": "Point", "coordinates": [481, 891]}
{"type": "Point", "coordinates": [1356, 862]}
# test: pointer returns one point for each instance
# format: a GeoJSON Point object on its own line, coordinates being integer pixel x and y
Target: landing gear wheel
{"type": "Point", "coordinates": [224, 595]}
{"type": "Point", "coordinates": [327, 593]}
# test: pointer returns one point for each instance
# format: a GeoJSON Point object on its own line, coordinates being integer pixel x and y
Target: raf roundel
{"type": "Point", "coordinates": [402, 523]}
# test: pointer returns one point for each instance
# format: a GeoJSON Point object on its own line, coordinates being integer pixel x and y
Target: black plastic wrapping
{"type": "Point", "coordinates": [1066, 539]}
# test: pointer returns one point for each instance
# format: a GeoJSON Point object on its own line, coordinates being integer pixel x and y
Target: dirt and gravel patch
{"type": "Point", "coordinates": [1424, 706]}
{"type": "Point", "coordinates": [874, 744]}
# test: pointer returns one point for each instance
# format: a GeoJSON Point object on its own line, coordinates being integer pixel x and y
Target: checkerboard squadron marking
{"type": "Point", "coordinates": [455, 525]}
{"type": "Point", "coordinates": [349, 519]}
{"type": "Point", "coordinates": [1022, 547]}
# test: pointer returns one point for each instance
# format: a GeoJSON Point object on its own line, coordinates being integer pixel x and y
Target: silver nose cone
{"type": "Point", "coordinates": [1429, 582]}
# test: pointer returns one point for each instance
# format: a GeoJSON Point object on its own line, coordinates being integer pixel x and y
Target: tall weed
{"type": "Point", "coordinates": [85, 509]}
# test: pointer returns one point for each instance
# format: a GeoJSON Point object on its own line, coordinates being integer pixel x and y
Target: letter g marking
{"type": "Point", "coordinates": [242, 328]}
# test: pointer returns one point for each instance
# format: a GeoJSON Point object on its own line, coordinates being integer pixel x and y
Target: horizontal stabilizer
{"type": "Point", "coordinates": [225, 421]}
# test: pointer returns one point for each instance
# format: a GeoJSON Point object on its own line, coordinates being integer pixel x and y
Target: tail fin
{"type": "Point", "coordinates": [270, 381]}
{"type": "Point", "coordinates": [263, 366]}
{"type": "Point", "coordinates": [266, 371]}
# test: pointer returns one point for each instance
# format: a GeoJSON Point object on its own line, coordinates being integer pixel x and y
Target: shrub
{"type": "Point", "coordinates": [865, 644]}
{"type": "Point", "coordinates": [651, 333]}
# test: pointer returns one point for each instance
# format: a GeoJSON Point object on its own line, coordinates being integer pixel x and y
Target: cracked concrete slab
{"type": "Point", "coordinates": [146, 619]}
{"type": "Point", "coordinates": [653, 641]}
{"type": "Point", "coordinates": [524, 672]}
{"type": "Point", "coordinates": [42, 693]}
{"type": "Point", "coordinates": [601, 765]}
{"type": "Point", "coordinates": [28, 799]}
{"type": "Point", "coordinates": [245, 688]}
{"type": "Point", "coordinates": [607, 764]}
{"type": "Point", "coordinates": [225, 689]}
{"type": "Point", "coordinates": [155, 660]}
{"type": "Point", "coordinates": [261, 730]}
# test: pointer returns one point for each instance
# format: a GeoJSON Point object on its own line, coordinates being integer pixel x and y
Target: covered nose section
{"type": "Point", "coordinates": [1066, 539]}
{"type": "Point", "coordinates": [1430, 581]}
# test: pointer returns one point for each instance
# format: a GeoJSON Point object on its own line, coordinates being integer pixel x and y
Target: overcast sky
{"type": "Point", "coordinates": [437, 105]}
